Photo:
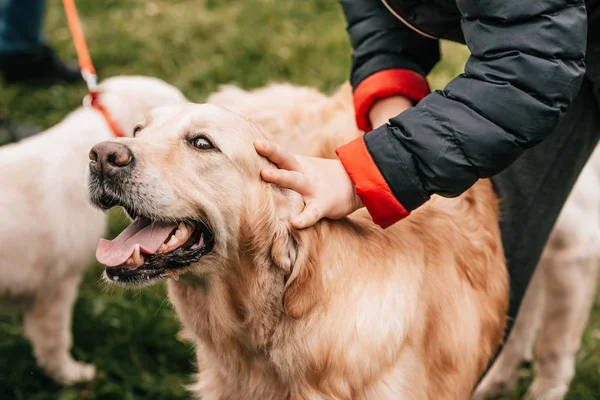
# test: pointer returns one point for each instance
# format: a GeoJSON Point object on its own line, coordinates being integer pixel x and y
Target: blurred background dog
{"type": "Point", "coordinates": [49, 229]}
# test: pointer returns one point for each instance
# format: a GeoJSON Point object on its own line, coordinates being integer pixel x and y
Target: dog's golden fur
{"type": "Point", "coordinates": [341, 310]}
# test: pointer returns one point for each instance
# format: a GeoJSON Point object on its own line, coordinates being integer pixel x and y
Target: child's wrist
{"type": "Point", "coordinates": [386, 108]}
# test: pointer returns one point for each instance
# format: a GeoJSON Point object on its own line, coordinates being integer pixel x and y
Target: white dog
{"type": "Point", "coordinates": [558, 300]}
{"type": "Point", "coordinates": [49, 230]}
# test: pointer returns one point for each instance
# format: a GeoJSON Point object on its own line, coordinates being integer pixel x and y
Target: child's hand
{"type": "Point", "coordinates": [324, 184]}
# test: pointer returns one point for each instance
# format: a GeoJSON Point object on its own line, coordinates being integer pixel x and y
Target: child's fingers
{"type": "Point", "coordinates": [277, 154]}
{"type": "Point", "coordinates": [308, 217]}
{"type": "Point", "coordinates": [287, 179]}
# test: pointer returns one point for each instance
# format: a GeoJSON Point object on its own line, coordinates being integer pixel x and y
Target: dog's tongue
{"type": "Point", "coordinates": [143, 232]}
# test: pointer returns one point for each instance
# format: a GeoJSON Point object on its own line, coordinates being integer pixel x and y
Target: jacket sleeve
{"type": "Point", "coordinates": [388, 58]}
{"type": "Point", "coordinates": [526, 66]}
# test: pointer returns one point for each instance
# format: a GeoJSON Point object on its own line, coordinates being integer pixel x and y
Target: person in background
{"type": "Point", "coordinates": [25, 57]}
{"type": "Point", "coordinates": [525, 112]}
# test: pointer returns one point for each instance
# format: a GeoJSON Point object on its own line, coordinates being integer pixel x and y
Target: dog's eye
{"type": "Point", "coordinates": [202, 143]}
{"type": "Point", "coordinates": [136, 130]}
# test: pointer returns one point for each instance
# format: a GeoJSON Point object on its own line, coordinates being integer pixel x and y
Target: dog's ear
{"type": "Point", "coordinates": [290, 252]}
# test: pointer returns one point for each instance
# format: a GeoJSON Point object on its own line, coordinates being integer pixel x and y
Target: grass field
{"type": "Point", "coordinates": [195, 45]}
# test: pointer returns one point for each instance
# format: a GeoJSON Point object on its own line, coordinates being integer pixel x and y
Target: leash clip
{"type": "Point", "coordinates": [91, 80]}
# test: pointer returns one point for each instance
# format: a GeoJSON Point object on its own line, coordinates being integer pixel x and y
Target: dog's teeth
{"type": "Point", "coordinates": [115, 278]}
{"type": "Point", "coordinates": [129, 261]}
{"type": "Point", "coordinates": [163, 247]}
{"type": "Point", "coordinates": [173, 241]}
{"type": "Point", "coordinates": [137, 255]}
{"type": "Point", "coordinates": [181, 231]}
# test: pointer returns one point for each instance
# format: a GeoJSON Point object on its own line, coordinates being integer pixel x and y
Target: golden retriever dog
{"type": "Point", "coordinates": [558, 301]}
{"type": "Point", "coordinates": [49, 229]}
{"type": "Point", "coordinates": [341, 310]}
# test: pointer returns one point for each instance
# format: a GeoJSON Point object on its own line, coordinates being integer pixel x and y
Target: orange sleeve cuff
{"type": "Point", "coordinates": [384, 84]}
{"type": "Point", "coordinates": [370, 185]}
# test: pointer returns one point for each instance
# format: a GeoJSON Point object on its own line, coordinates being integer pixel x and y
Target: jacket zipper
{"type": "Point", "coordinates": [420, 32]}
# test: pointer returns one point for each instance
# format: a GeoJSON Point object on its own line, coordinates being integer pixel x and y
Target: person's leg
{"type": "Point", "coordinates": [24, 56]}
{"type": "Point", "coordinates": [20, 25]}
{"type": "Point", "coordinates": [534, 189]}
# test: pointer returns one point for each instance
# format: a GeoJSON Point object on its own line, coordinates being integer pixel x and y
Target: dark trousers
{"type": "Point", "coordinates": [21, 25]}
{"type": "Point", "coordinates": [534, 189]}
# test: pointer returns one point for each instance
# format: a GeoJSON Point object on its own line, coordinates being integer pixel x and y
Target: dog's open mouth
{"type": "Point", "coordinates": [148, 250]}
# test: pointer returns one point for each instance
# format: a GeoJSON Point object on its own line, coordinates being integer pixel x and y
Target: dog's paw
{"type": "Point", "coordinates": [493, 391]}
{"type": "Point", "coordinates": [496, 385]}
{"type": "Point", "coordinates": [547, 390]}
{"type": "Point", "coordinates": [74, 372]}
{"type": "Point", "coordinates": [501, 380]}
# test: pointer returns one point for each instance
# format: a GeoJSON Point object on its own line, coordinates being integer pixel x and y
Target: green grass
{"type": "Point", "coordinates": [195, 45]}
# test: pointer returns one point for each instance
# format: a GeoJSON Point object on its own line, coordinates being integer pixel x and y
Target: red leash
{"type": "Point", "coordinates": [88, 72]}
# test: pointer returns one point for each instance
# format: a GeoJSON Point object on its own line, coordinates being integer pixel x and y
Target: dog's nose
{"type": "Point", "coordinates": [109, 158]}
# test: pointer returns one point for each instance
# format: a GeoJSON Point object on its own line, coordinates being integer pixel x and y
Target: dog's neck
{"type": "Point", "coordinates": [269, 257]}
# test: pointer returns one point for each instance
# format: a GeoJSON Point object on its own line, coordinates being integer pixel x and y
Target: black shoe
{"type": "Point", "coordinates": [12, 132]}
{"type": "Point", "coordinates": [39, 67]}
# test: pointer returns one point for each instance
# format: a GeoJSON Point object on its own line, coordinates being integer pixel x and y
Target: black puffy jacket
{"type": "Point", "coordinates": [526, 66]}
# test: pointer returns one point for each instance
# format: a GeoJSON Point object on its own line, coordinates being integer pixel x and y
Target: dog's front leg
{"type": "Point", "coordinates": [47, 323]}
{"type": "Point", "coordinates": [570, 289]}
{"type": "Point", "coordinates": [503, 377]}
